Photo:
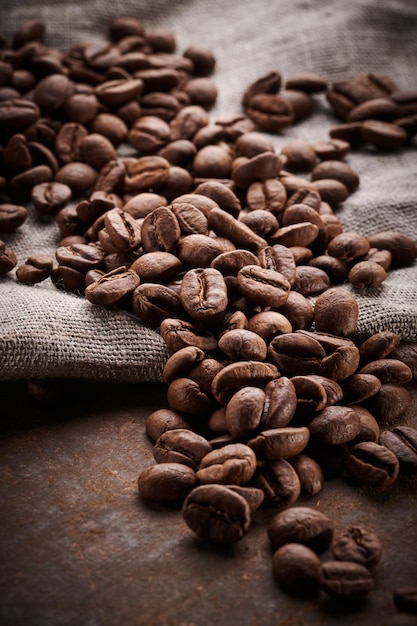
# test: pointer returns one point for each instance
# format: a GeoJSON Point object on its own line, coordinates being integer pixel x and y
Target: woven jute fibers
{"type": "Point", "coordinates": [45, 332]}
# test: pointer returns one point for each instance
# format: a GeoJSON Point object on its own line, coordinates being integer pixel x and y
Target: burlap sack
{"type": "Point", "coordinates": [45, 332]}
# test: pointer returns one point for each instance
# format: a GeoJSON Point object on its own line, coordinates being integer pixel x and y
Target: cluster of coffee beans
{"type": "Point", "coordinates": [206, 232]}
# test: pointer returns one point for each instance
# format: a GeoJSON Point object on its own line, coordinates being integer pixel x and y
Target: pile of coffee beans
{"type": "Point", "coordinates": [232, 250]}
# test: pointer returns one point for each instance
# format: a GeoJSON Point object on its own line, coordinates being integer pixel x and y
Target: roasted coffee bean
{"type": "Point", "coordinates": [232, 464]}
{"type": "Point", "coordinates": [36, 269]}
{"type": "Point", "coordinates": [160, 231]}
{"type": "Point", "coordinates": [190, 219]}
{"type": "Point", "coordinates": [301, 102]}
{"type": "Point", "coordinates": [203, 294]}
{"type": "Point", "coordinates": [367, 274]}
{"type": "Point", "coordinates": [243, 344]}
{"type": "Point", "coordinates": [378, 345]}
{"type": "Point", "coordinates": [331, 149]}
{"type": "Point", "coordinates": [112, 288]}
{"type": "Point", "coordinates": [81, 257]}
{"type": "Point", "coordinates": [388, 370]}
{"type": "Point", "coordinates": [301, 524]}
{"type": "Point", "coordinates": [240, 374]}
{"type": "Point", "coordinates": [296, 569]}
{"type": "Point", "coordinates": [300, 234]}
{"type": "Point", "coordinates": [307, 81]}
{"type": "Point", "coordinates": [49, 198]}
{"type": "Point", "coordinates": [244, 411]}
{"type": "Point", "coordinates": [278, 443]}
{"type": "Point", "coordinates": [263, 286]}
{"type": "Point", "coordinates": [280, 259]}
{"type": "Point", "coordinates": [260, 221]}
{"type": "Point", "coordinates": [402, 441]}
{"type": "Point", "coordinates": [296, 354]}
{"type": "Point", "coordinates": [179, 333]}
{"type": "Point", "coordinates": [339, 170]}
{"type": "Point", "coordinates": [389, 403]}
{"type": "Point", "coordinates": [358, 544]}
{"type": "Point", "coordinates": [300, 155]}
{"type": "Point", "coordinates": [268, 83]}
{"type": "Point", "coordinates": [166, 483]}
{"type": "Point", "coordinates": [348, 246]}
{"type": "Point", "coordinates": [251, 143]}
{"type": "Point", "coordinates": [372, 464]}
{"type": "Point", "coordinates": [369, 426]}
{"type": "Point", "coordinates": [8, 259]}
{"type": "Point", "coordinates": [268, 324]}
{"type": "Point", "coordinates": [261, 167]}
{"type": "Point", "coordinates": [280, 484]}
{"type": "Point", "coordinates": [336, 311]}
{"type": "Point", "coordinates": [18, 113]}
{"type": "Point", "coordinates": [229, 263]}
{"type": "Point", "coordinates": [217, 514]}
{"type": "Point", "coordinates": [161, 420]}
{"type": "Point", "coordinates": [405, 598]}
{"type": "Point", "coordinates": [146, 173]}
{"type": "Point", "coordinates": [334, 391]}
{"type": "Point", "coordinates": [311, 395]}
{"type": "Point", "coordinates": [342, 355]}
{"type": "Point", "coordinates": [309, 473]}
{"type": "Point", "coordinates": [253, 496]}
{"type": "Point", "coordinates": [383, 135]}
{"type": "Point", "coordinates": [406, 351]}
{"type": "Point", "coordinates": [181, 446]}
{"type": "Point", "coordinates": [402, 248]}
{"type": "Point", "coordinates": [298, 310]}
{"type": "Point", "coordinates": [156, 266]}
{"type": "Point", "coordinates": [179, 364]}
{"type": "Point", "coordinates": [184, 395]}
{"type": "Point", "coordinates": [269, 195]}
{"type": "Point", "coordinates": [335, 425]}
{"type": "Point", "coordinates": [374, 109]}
{"type": "Point", "coordinates": [345, 579]}
{"type": "Point", "coordinates": [360, 387]}
{"type": "Point", "coordinates": [12, 216]}
{"type": "Point", "coordinates": [310, 280]}
{"type": "Point", "coordinates": [153, 303]}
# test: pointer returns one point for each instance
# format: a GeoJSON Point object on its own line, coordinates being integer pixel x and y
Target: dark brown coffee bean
{"type": "Point", "coordinates": [179, 334]}
{"type": "Point", "coordinates": [339, 170]}
{"type": "Point", "coordinates": [181, 446]}
{"type": "Point", "coordinates": [331, 149]}
{"type": "Point", "coordinates": [81, 257]}
{"type": "Point", "coordinates": [334, 391]}
{"type": "Point", "coordinates": [311, 395]}
{"type": "Point", "coordinates": [269, 195]}
{"type": "Point", "coordinates": [110, 126]}
{"type": "Point", "coordinates": [296, 569]}
{"type": "Point", "coordinates": [181, 362]}
{"type": "Point", "coordinates": [268, 83]}
{"type": "Point", "coordinates": [403, 249]}
{"type": "Point", "coordinates": [375, 109]}
{"type": "Point", "coordinates": [342, 355]}
{"type": "Point", "coordinates": [217, 514]}
{"type": "Point", "coordinates": [280, 484]}
{"type": "Point", "coordinates": [263, 286]}
{"type": "Point", "coordinates": [17, 113]}
{"type": "Point", "coordinates": [280, 259]}
{"type": "Point", "coordinates": [225, 225]}
{"type": "Point", "coordinates": [153, 303]}
{"type": "Point", "coordinates": [229, 263]}
{"type": "Point", "coordinates": [295, 354]}
{"type": "Point", "coordinates": [335, 425]}
{"type": "Point", "coordinates": [402, 441]}
{"type": "Point", "coordinates": [369, 426]}
{"type": "Point", "coordinates": [244, 411]}
{"type": "Point", "coordinates": [253, 496]}
{"type": "Point", "coordinates": [240, 374]}
{"type": "Point", "coordinates": [184, 395]}
{"type": "Point", "coordinates": [389, 403]}
{"type": "Point", "coordinates": [345, 579]}
{"type": "Point", "coordinates": [160, 231]}
{"type": "Point", "coordinates": [8, 259]}
{"type": "Point", "coordinates": [383, 135]}
{"type": "Point", "coordinates": [378, 345]}
{"type": "Point", "coordinates": [298, 310]}
{"type": "Point", "coordinates": [348, 246]}
{"type": "Point", "coordinates": [12, 216]}
{"type": "Point", "coordinates": [146, 173]}
{"type": "Point", "coordinates": [367, 274]}
{"type": "Point", "coordinates": [360, 387]}
{"type": "Point", "coordinates": [166, 483]}
{"type": "Point", "coordinates": [302, 103]}
{"type": "Point", "coordinates": [303, 525]}
{"type": "Point", "coordinates": [243, 344]}
{"type": "Point", "coordinates": [188, 121]}
{"type": "Point", "coordinates": [371, 464]}
{"type": "Point", "coordinates": [336, 311]}
{"type": "Point", "coordinates": [156, 266]}
{"type": "Point", "coordinates": [251, 143]}
{"type": "Point", "coordinates": [123, 231]}
{"type": "Point", "coordinates": [49, 198]}
{"type": "Point", "coordinates": [300, 234]}
{"type": "Point", "coordinates": [358, 544]}
{"type": "Point", "coordinates": [309, 473]}
{"type": "Point", "coordinates": [190, 219]}
{"type": "Point", "coordinates": [79, 177]}
{"type": "Point", "coordinates": [161, 420]}
{"type": "Point", "coordinates": [203, 294]}
{"type": "Point", "coordinates": [113, 287]}
{"type": "Point", "coordinates": [278, 443]}
{"type": "Point", "coordinates": [268, 324]}
{"type": "Point", "coordinates": [231, 464]}
{"type": "Point", "coordinates": [388, 370]}
{"type": "Point", "coordinates": [310, 280]}
{"type": "Point", "coordinates": [260, 221]}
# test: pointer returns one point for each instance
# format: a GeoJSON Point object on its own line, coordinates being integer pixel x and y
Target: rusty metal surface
{"type": "Point", "coordinates": [79, 548]}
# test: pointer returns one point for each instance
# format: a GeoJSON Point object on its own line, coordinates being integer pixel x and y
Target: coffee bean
{"type": "Point", "coordinates": [301, 524]}
{"type": "Point", "coordinates": [309, 474]}
{"type": "Point", "coordinates": [296, 569]}
{"type": "Point", "coordinates": [232, 464]}
{"type": "Point", "coordinates": [345, 579]}
{"type": "Point", "coordinates": [358, 544]}
{"type": "Point", "coordinates": [161, 420]}
{"type": "Point", "coordinates": [112, 288]}
{"type": "Point", "coordinates": [8, 259]}
{"type": "Point", "coordinates": [166, 483]}
{"type": "Point", "coordinates": [280, 484]}
{"type": "Point", "coordinates": [217, 514]}
{"type": "Point", "coordinates": [12, 216]}
{"type": "Point", "coordinates": [278, 443]}
{"type": "Point", "coordinates": [203, 294]}
{"type": "Point", "coordinates": [36, 269]}
{"type": "Point", "coordinates": [335, 425]}
{"type": "Point", "coordinates": [180, 446]}
{"type": "Point", "coordinates": [372, 464]}
{"type": "Point", "coordinates": [336, 311]}
{"type": "Point", "coordinates": [402, 441]}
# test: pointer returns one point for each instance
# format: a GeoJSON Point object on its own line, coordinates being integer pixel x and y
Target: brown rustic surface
{"type": "Point", "coordinates": [79, 548]}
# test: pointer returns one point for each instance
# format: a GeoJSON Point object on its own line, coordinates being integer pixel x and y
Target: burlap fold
{"type": "Point", "coordinates": [45, 332]}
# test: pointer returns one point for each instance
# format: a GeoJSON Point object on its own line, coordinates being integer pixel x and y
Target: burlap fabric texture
{"type": "Point", "coordinates": [47, 333]}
